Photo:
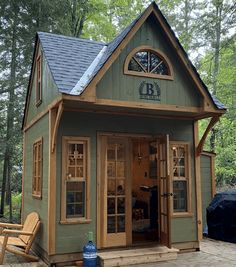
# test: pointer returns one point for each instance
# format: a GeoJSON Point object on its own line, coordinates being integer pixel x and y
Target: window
{"type": "Point", "coordinates": [180, 166]}
{"type": "Point", "coordinates": [38, 80]}
{"type": "Point", "coordinates": [75, 179]}
{"type": "Point", "coordinates": [148, 62]}
{"type": "Point", "coordinates": [37, 168]}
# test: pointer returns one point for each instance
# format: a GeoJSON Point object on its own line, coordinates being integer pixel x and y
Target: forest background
{"type": "Point", "coordinates": [205, 28]}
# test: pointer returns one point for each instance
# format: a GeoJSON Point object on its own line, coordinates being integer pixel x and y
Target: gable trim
{"type": "Point", "coordinates": [208, 104]}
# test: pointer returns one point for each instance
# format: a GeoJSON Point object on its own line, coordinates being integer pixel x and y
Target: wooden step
{"type": "Point", "coordinates": [137, 256]}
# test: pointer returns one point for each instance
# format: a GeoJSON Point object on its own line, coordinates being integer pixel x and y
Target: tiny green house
{"type": "Point", "coordinates": [111, 141]}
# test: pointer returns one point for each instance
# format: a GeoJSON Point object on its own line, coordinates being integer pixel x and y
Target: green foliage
{"type": "Point", "coordinates": [226, 165]}
{"type": "Point", "coordinates": [204, 28]}
{"type": "Point", "coordinates": [16, 209]}
{"type": "Point", "coordinates": [226, 128]}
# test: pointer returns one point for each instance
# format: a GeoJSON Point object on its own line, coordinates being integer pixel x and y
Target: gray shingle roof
{"type": "Point", "coordinates": [69, 58]}
{"type": "Point", "coordinates": [218, 103]}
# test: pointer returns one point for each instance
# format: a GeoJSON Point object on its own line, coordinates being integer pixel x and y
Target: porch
{"type": "Point", "coordinates": [213, 253]}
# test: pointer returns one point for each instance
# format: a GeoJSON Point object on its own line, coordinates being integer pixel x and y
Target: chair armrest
{"type": "Point", "coordinates": [11, 225]}
{"type": "Point", "coordinates": [17, 232]}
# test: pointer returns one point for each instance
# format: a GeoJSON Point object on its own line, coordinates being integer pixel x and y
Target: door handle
{"type": "Point", "coordinates": [167, 195]}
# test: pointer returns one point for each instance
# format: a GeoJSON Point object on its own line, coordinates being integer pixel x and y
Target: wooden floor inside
{"type": "Point", "coordinates": [137, 256]}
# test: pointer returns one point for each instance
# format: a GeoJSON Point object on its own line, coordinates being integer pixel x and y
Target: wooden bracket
{"type": "Point", "coordinates": [201, 143]}
{"type": "Point", "coordinates": [56, 125]}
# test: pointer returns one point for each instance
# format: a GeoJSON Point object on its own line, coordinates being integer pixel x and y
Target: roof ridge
{"type": "Point", "coordinates": [71, 37]}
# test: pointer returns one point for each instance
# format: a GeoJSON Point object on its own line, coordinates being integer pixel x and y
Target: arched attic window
{"type": "Point", "coordinates": [148, 62]}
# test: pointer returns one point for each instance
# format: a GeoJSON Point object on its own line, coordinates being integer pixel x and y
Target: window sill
{"type": "Point", "coordinates": [76, 221]}
{"type": "Point", "coordinates": [149, 75]}
{"type": "Point", "coordinates": [37, 196]}
{"type": "Point", "coordinates": [182, 215]}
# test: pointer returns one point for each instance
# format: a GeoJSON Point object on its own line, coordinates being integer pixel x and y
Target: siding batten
{"type": "Point", "coordinates": [51, 186]}
{"type": "Point", "coordinates": [198, 182]}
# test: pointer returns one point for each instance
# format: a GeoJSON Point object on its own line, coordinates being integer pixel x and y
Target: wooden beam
{"type": "Point", "coordinates": [52, 186]}
{"type": "Point", "coordinates": [57, 122]}
{"type": "Point", "coordinates": [197, 171]}
{"type": "Point", "coordinates": [149, 106]}
{"type": "Point", "coordinates": [40, 115]}
{"type": "Point", "coordinates": [211, 124]}
{"type": "Point", "coordinates": [126, 113]}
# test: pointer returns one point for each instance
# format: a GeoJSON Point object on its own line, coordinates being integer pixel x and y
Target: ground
{"type": "Point", "coordinates": [213, 254]}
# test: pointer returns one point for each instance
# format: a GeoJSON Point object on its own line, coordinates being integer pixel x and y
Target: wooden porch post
{"type": "Point", "coordinates": [198, 182]}
{"type": "Point", "coordinates": [52, 186]}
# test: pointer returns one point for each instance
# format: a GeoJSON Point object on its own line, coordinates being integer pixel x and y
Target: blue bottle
{"type": "Point", "coordinates": [90, 253]}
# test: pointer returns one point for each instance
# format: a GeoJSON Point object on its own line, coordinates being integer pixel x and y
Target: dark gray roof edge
{"type": "Point", "coordinates": [218, 103]}
{"type": "Point", "coordinates": [70, 37]}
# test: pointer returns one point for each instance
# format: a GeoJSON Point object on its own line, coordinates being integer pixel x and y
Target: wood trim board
{"type": "Point", "coordinates": [211, 124]}
{"type": "Point", "coordinates": [197, 171]}
{"type": "Point", "coordinates": [161, 107]}
{"type": "Point", "coordinates": [52, 187]}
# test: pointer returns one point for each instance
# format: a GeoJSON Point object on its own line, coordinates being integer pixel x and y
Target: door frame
{"type": "Point", "coordinates": [101, 138]}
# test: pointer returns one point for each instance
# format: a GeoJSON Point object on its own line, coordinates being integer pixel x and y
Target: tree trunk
{"type": "Point", "coordinates": [186, 25]}
{"type": "Point", "coordinates": [7, 165]}
{"type": "Point", "coordinates": [218, 5]}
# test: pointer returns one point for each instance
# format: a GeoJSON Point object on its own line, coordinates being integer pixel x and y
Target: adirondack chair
{"type": "Point", "coordinates": [18, 239]}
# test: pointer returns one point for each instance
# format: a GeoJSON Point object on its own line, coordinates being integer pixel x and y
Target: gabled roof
{"type": "Point", "coordinates": [75, 62]}
{"type": "Point", "coordinates": [68, 58]}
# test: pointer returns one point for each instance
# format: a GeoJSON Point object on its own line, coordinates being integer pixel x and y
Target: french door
{"type": "Point", "coordinates": [164, 190]}
{"type": "Point", "coordinates": [114, 191]}
{"type": "Point", "coordinates": [116, 195]}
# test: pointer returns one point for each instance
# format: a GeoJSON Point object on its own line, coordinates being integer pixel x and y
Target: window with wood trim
{"type": "Point", "coordinates": [75, 179]}
{"type": "Point", "coordinates": [181, 180]}
{"type": "Point", "coordinates": [37, 168]}
{"type": "Point", "coordinates": [38, 86]}
{"type": "Point", "coordinates": [148, 62]}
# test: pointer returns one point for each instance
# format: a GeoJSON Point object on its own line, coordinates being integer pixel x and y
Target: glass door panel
{"type": "Point", "coordinates": [116, 170]}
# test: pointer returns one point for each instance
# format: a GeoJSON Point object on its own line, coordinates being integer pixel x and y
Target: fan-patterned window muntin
{"type": "Point", "coordinates": [181, 178]}
{"type": "Point", "coordinates": [37, 168]}
{"type": "Point", "coordinates": [148, 62]}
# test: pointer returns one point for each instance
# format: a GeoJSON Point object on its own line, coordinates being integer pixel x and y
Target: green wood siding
{"type": "Point", "coordinates": [49, 91]}
{"type": "Point", "coordinates": [30, 203]}
{"type": "Point", "coordinates": [71, 238]}
{"type": "Point", "coordinates": [206, 184]}
{"type": "Point", "coordinates": [117, 86]}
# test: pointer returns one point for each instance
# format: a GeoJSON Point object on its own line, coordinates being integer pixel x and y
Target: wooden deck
{"type": "Point", "coordinates": [137, 256]}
